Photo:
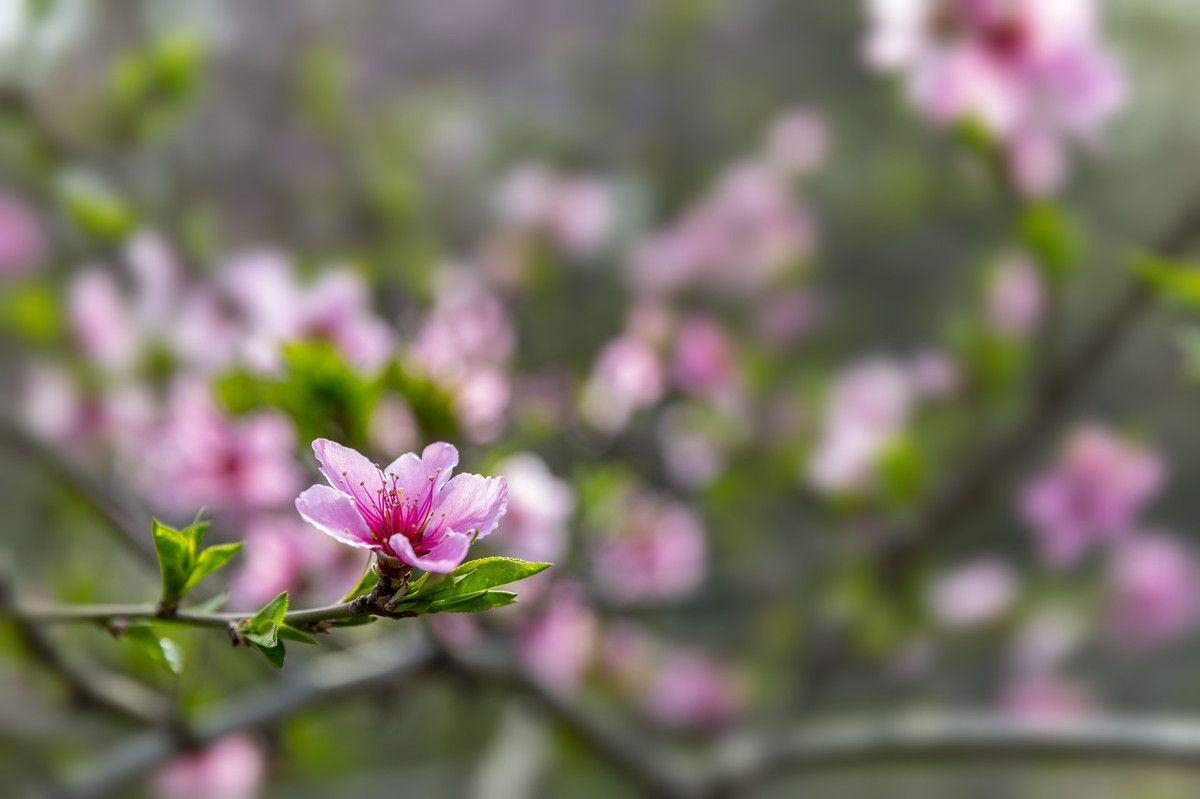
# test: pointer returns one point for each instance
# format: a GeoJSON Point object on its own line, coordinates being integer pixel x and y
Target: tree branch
{"type": "Point", "coordinates": [742, 764]}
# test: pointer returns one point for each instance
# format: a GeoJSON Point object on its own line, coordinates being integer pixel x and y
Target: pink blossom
{"type": "Point", "coordinates": [539, 506]}
{"type": "Point", "coordinates": [54, 408]}
{"type": "Point", "coordinates": [745, 232]}
{"type": "Point", "coordinates": [628, 655]}
{"type": "Point", "coordinates": [1035, 74]}
{"type": "Point", "coordinates": [1155, 592]}
{"type": "Point", "coordinates": [200, 458]}
{"type": "Point", "coordinates": [691, 456]}
{"type": "Point", "coordinates": [974, 594]}
{"type": "Point", "coordinates": [336, 308]}
{"type": "Point", "coordinates": [691, 691]}
{"type": "Point", "coordinates": [279, 555]}
{"type": "Point", "coordinates": [657, 552]}
{"type": "Point", "coordinates": [411, 511]}
{"type": "Point", "coordinates": [575, 212]}
{"type": "Point", "coordinates": [786, 318]}
{"type": "Point", "coordinates": [867, 409]}
{"type": "Point", "coordinates": [626, 378]}
{"type": "Point", "coordinates": [704, 360]}
{"type": "Point", "coordinates": [1045, 699]}
{"type": "Point", "coordinates": [1015, 296]}
{"type": "Point", "coordinates": [797, 142]}
{"type": "Point", "coordinates": [393, 426]}
{"type": "Point", "coordinates": [558, 645]}
{"type": "Point", "coordinates": [101, 321]}
{"type": "Point", "coordinates": [1047, 639]}
{"type": "Point", "coordinates": [1094, 493]}
{"type": "Point", "coordinates": [232, 768]}
{"type": "Point", "coordinates": [934, 374]}
{"type": "Point", "coordinates": [23, 246]}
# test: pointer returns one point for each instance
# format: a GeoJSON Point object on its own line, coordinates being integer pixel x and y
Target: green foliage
{"type": "Point", "coordinates": [160, 650]}
{"type": "Point", "coordinates": [364, 585]}
{"type": "Point", "coordinates": [469, 588]}
{"type": "Point", "coordinates": [95, 209]}
{"type": "Point", "coordinates": [323, 395]}
{"type": "Point", "coordinates": [150, 87]}
{"type": "Point", "coordinates": [264, 630]}
{"type": "Point", "coordinates": [904, 472]}
{"type": "Point", "coordinates": [1176, 281]}
{"type": "Point", "coordinates": [181, 562]}
{"type": "Point", "coordinates": [31, 311]}
{"type": "Point", "coordinates": [432, 405]}
{"type": "Point", "coordinates": [1052, 239]}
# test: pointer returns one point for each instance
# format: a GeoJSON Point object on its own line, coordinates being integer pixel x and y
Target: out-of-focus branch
{"type": "Point", "coordinates": [743, 764]}
{"type": "Point", "coordinates": [117, 512]}
{"type": "Point", "coordinates": [992, 465]}
{"type": "Point", "coordinates": [111, 693]}
{"type": "Point", "coordinates": [331, 677]}
{"type": "Point", "coordinates": [651, 767]}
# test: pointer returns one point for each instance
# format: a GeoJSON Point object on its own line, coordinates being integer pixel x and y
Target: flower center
{"type": "Point", "coordinates": [388, 511]}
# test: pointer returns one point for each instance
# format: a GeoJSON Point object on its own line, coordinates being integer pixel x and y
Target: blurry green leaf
{"type": "Point", "coordinates": [31, 311]}
{"type": "Point", "coordinates": [95, 209]}
{"type": "Point", "coordinates": [263, 627]}
{"type": "Point", "coordinates": [903, 472]}
{"type": "Point", "coordinates": [1051, 238]}
{"type": "Point", "coordinates": [1176, 281]}
{"type": "Point", "coordinates": [174, 64]}
{"type": "Point", "coordinates": [162, 651]}
{"type": "Point", "coordinates": [364, 585]}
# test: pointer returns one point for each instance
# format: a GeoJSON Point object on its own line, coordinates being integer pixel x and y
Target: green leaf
{"type": "Point", "coordinates": [209, 561]}
{"type": "Point", "coordinates": [274, 653]}
{"type": "Point", "coordinates": [364, 585]}
{"type": "Point", "coordinates": [475, 603]}
{"type": "Point", "coordinates": [176, 550]}
{"type": "Point", "coordinates": [1052, 239]}
{"type": "Point", "coordinates": [479, 575]}
{"type": "Point", "coordinates": [162, 651]}
{"type": "Point", "coordinates": [1175, 280]}
{"type": "Point", "coordinates": [95, 209]}
{"type": "Point", "coordinates": [262, 628]}
{"type": "Point", "coordinates": [290, 633]}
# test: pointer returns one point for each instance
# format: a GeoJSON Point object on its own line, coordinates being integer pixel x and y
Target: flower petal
{"type": "Point", "coordinates": [471, 503]}
{"type": "Point", "coordinates": [443, 558]}
{"type": "Point", "coordinates": [333, 513]}
{"type": "Point", "coordinates": [346, 469]}
{"type": "Point", "coordinates": [413, 473]}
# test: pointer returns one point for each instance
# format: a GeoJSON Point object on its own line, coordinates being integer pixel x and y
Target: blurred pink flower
{"type": "Point", "coordinates": [692, 458]}
{"type": "Point", "coordinates": [627, 655]}
{"type": "Point", "coordinates": [867, 409]}
{"type": "Point", "coordinates": [974, 594]}
{"type": "Point", "coordinates": [539, 506]}
{"type": "Point", "coordinates": [336, 308]}
{"type": "Point", "coordinates": [233, 767]}
{"type": "Point", "coordinates": [411, 511]}
{"type": "Point", "coordinates": [23, 246]}
{"type": "Point", "coordinates": [101, 321]}
{"type": "Point", "coordinates": [934, 374]}
{"type": "Point", "coordinates": [746, 231]}
{"type": "Point", "coordinates": [788, 317]}
{"type": "Point", "coordinates": [576, 212]}
{"type": "Point", "coordinates": [200, 458]}
{"type": "Point", "coordinates": [797, 142]}
{"type": "Point", "coordinates": [558, 645]}
{"type": "Point", "coordinates": [626, 378]}
{"type": "Point", "coordinates": [1094, 493]}
{"type": "Point", "coordinates": [280, 555]}
{"type": "Point", "coordinates": [1045, 699]}
{"type": "Point", "coordinates": [704, 362]}
{"type": "Point", "coordinates": [658, 552]}
{"type": "Point", "coordinates": [1015, 296]}
{"type": "Point", "coordinates": [393, 426]}
{"type": "Point", "coordinates": [1047, 639]}
{"type": "Point", "coordinates": [691, 691]}
{"type": "Point", "coordinates": [1035, 74]}
{"type": "Point", "coordinates": [1155, 592]}
{"type": "Point", "coordinates": [464, 344]}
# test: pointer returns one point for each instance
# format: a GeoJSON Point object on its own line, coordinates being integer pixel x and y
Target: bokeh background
{"type": "Point", "coordinates": [723, 301]}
